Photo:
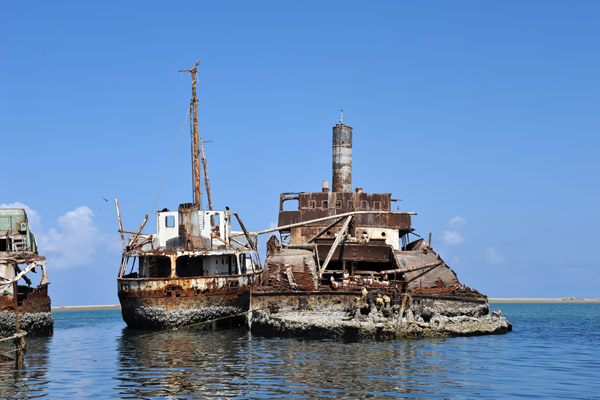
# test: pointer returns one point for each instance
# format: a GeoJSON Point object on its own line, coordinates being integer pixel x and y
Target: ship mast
{"type": "Point", "coordinates": [210, 207]}
{"type": "Point", "coordinates": [194, 133]}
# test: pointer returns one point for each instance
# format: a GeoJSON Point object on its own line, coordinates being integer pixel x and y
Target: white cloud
{"type": "Point", "coordinates": [493, 257]}
{"type": "Point", "coordinates": [452, 237]}
{"type": "Point", "coordinates": [457, 221]}
{"type": "Point", "coordinates": [75, 240]}
{"type": "Point", "coordinates": [35, 221]}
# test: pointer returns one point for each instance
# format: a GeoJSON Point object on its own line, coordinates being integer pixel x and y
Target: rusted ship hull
{"type": "Point", "coordinates": [169, 303]}
{"type": "Point", "coordinates": [23, 305]}
{"type": "Point", "coordinates": [34, 313]}
{"type": "Point", "coordinates": [399, 303]}
{"type": "Point", "coordinates": [194, 269]}
{"type": "Point", "coordinates": [346, 267]}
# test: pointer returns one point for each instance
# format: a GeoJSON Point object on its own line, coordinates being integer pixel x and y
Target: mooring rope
{"type": "Point", "coordinates": [15, 336]}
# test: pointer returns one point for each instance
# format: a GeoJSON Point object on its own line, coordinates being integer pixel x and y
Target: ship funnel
{"type": "Point", "coordinates": [342, 158]}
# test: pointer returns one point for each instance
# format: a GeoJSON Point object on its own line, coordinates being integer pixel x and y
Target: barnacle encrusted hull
{"type": "Point", "coordinates": [35, 316]}
{"type": "Point", "coordinates": [164, 312]}
{"type": "Point", "coordinates": [327, 324]}
{"type": "Point", "coordinates": [352, 316]}
{"type": "Point", "coordinates": [35, 324]}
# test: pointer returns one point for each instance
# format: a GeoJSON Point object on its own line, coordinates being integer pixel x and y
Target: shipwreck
{"type": "Point", "coordinates": [194, 268]}
{"type": "Point", "coordinates": [344, 265]}
{"type": "Point", "coordinates": [23, 305]}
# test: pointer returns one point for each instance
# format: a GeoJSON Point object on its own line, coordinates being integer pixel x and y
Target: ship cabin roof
{"type": "Point", "coordinates": [192, 230]}
{"type": "Point", "coordinates": [305, 206]}
{"type": "Point", "coordinates": [15, 235]}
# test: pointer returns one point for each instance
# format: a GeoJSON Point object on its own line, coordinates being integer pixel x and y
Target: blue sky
{"type": "Point", "coordinates": [482, 116]}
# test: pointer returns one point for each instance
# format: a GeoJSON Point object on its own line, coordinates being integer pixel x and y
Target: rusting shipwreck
{"type": "Point", "coordinates": [193, 269]}
{"type": "Point", "coordinates": [345, 266]}
{"type": "Point", "coordinates": [22, 306]}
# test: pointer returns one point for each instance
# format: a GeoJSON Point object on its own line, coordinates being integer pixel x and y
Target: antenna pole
{"type": "Point", "coordinates": [210, 207]}
{"type": "Point", "coordinates": [194, 133]}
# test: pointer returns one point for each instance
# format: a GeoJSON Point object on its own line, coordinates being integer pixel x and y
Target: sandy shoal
{"type": "Point", "coordinates": [87, 308]}
{"type": "Point", "coordinates": [542, 300]}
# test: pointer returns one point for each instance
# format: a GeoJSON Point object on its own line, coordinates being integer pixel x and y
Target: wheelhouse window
{"type": "Point", "coordinates": [156, 266]}
{"type": "Point", "coordinates": [289, 204]}
{"type": "Point", "coordinates": [170, 221]}
{"type": "Point", "coordinates": [189, 266]}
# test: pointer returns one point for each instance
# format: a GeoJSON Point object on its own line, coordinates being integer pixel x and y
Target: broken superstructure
{"type": "Point", "coordinates": [22, 306]}
{"type": "Point", "coordinates": [345, 266]}
{"type": "Point", "coordinates": [193, 269]}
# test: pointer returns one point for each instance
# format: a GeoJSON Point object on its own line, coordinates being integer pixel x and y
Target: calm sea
{"type": "Point", "coordinates": [553, 352]}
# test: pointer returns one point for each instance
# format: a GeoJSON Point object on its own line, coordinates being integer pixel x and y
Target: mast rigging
{"type": "Point", "coordinates": [194, 134]}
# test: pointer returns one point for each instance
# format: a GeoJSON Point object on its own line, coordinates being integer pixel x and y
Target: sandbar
{"type": "Point", "coordinates": [543, 300]}
{"type": "Point", "coordinates": [87, 308]}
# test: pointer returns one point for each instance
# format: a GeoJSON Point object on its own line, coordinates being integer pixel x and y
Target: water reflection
{"type": "Point", "coordinates": [101, 359]}
{"type": "Point", "coordinates": [90, 358]}
{"type": "Point", "coordinates": [91, 355]}
{"type": "Point", "coordinates": [30, 382]}
{"type": "Point", "coordinates": [167, 364]}
{"type": "Point", "coordinates": [234, 364]}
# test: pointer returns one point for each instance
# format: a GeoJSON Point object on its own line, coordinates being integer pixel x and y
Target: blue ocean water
{"type": "Point", "coordinates": [553, 352]}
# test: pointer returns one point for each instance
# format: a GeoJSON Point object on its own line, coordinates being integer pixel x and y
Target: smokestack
{"type": "Point", "coordinates": [342, 158]}
{"type": "Point", "coordinates": [325, 186]}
